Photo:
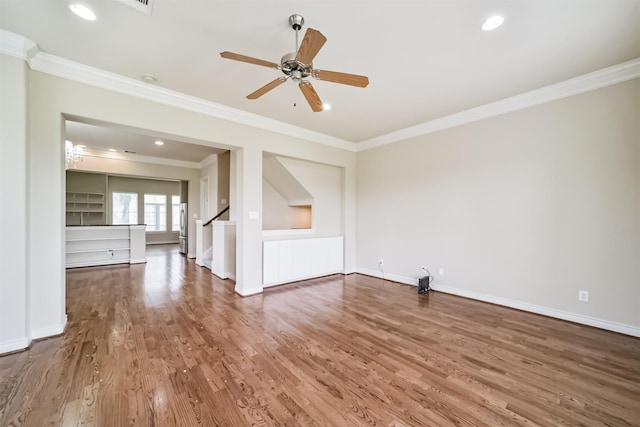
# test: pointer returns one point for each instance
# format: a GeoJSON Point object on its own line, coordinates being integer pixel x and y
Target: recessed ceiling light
{"type": "Point", "coordinates": [326, 107]}
{"type": "Point", "coordinates": [113, 150]}
{"type": "Point", "coordinates": [158, 142]}
{"type": "Point", "coordinates": [82, 11]}
{"type": "Point", "coordinates": [492, 23]}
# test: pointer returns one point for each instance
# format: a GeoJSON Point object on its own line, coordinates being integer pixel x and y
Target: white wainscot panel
{"type": "Point", "coordinates": [286, 261]}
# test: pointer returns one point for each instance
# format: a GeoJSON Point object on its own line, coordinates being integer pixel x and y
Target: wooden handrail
{"type": "Point", "coordinates": [216, 217]}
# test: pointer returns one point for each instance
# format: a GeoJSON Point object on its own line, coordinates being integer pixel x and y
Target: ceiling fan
{"type": "Point", "coordinates": [298, 66]}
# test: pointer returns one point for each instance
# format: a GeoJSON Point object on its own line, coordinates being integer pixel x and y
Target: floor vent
{"type": "Point", "coordinates": [142, 6]}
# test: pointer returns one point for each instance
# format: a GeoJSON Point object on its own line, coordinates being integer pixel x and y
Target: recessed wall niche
{"type": "Point", "coordinates": [301, 195]}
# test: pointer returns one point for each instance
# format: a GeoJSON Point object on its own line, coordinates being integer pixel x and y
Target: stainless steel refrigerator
{"type": "Point", "coordinates": [183, 228]}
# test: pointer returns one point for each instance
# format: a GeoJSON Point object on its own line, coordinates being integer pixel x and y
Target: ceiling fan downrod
{"type": "Point", "coordinates": [291, 67]}
{"type": "Point", "coordinates": [296, 21]}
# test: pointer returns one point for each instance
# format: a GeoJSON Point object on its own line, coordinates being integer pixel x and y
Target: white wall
{"type": "Point", "coordinates": [523, 209]}
{"type": "Point", "coordinates": [14, 316]}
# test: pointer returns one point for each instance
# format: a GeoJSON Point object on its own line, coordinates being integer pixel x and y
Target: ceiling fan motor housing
{"type": "Point", "coordinates": [295, 69]}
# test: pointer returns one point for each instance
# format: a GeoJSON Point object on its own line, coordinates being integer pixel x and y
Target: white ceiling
{"type": "Point", "coordinates": [424, 59]}
{"type": "Point", "coordinates": [100, 138]}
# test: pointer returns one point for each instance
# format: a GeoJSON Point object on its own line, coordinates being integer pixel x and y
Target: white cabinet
{"type": "Point", "coordinates": [103, 245]}
{"type": "Point", "coordinates": [286, 261]}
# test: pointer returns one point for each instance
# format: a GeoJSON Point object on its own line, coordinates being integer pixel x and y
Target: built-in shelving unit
{"type": "Point", "coordinates": [103, 245]}
{"type": "Point", "coordinates": [83, 208]}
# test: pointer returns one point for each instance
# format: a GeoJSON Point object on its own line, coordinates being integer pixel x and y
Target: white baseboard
{"type": "Point", "coordinates": [545, 311]}
{"type": "Point", "coordinates": [299, 279]}
{"type": "Point", "coordinates": [248, 293]}
{"type": "Point", "coordinates": [14, 345]}
{"type": "Point", "coordinates": [519, 305]}
{"type": "Point", "coordinates": [191, 256]}
{"type": "Point", "coordinates": [387, 276]}
{"type": "Point", "coordinates": [24, 343]}
{"type": "Point", "coordinates": [137, 261]}
{"type": "Point", "coordinates": [49, 331]}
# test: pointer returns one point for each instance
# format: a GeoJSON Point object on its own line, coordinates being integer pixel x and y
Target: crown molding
{"type": "Point", "coordinates": [16, 45]}
{"type": "Point", "coordinates": [209, 160]}
{"type": "Point", "coordinates": [21, 47]}
{"type": "Point", "coordinates": [85, 74]}
{"type": "Point", "coordinates": [585, 83]}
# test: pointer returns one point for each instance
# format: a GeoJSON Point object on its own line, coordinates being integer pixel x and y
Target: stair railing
{"type": "Point", "coordinates": [216, 217]}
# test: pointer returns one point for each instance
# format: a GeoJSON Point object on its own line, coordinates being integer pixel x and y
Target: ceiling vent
{"type": "Point", "coordinates": [142, 6]}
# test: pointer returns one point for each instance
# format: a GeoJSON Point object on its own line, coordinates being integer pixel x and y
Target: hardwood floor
{"type": "Point", "coordinates": [167, 344]}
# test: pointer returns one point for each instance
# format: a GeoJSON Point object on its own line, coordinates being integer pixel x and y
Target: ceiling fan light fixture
{"type": "Point", "coordinates": [82, 11]}
{"type": "Point", "coordinates": [492, 22]}
{"type": "Point", "coordinates": [159, 143]}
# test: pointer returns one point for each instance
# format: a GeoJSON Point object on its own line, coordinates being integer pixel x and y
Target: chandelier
{"type": "Point", "coordinates": [72, 153]}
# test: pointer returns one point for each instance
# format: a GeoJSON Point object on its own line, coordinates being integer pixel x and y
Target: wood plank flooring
{"type": "Point", "coordinates": [168, 344]}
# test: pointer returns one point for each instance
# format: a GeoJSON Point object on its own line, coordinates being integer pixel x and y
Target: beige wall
{"type": "Point", "coordinates": [277, 214]}
{"type": "Point", "coordinates": [525, 209]}
{"type": "Point", "coordinates": [83, 182]}
{"type": "Point", "coordinates": [209, 184]}
{"type": "Point", "coordinates": [324, 183]}
{"type": "Point", "coordinates": [141, 187]}
{"type": "Point", "coordinates": [141, 171]}
{"type": "Point", "coordinates": [222, 200]}
{"type": "Point", "coordinates": [318, 185]}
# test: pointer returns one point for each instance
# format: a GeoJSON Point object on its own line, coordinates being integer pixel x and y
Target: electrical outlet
{"type": "Point", "coordinates": [381, 262]}
{"type": "Point", "coordinates": [583, 296]}
{"type": "Point", "coordinates": [441, 271]}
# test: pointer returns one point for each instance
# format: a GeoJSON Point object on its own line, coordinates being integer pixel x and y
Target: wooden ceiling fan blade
{"type": "Point", "coordinates": [249, 59]}
{"type": "Point", "coordinates": [311, 43]}
{"type": "Point", "coordinates": [343, 78]}
{"type": "Point", "coordinates": [266, 88]}
{"type": "Point", "coordinates": [311, 95]}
